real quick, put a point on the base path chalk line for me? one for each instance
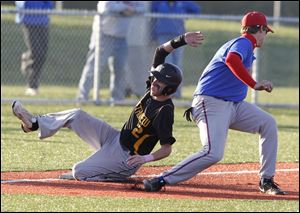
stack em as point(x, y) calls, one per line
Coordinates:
point(150, 176)
point(223, 173)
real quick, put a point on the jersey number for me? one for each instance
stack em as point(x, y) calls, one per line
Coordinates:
point(137, 130)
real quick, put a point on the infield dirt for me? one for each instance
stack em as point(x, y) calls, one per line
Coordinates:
point(221, 181)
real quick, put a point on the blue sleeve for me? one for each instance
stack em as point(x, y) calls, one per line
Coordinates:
point(243, 47)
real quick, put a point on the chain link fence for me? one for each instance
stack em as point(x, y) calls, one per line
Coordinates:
point(69, 38)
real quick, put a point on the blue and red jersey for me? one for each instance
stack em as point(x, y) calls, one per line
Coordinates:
point(219, 81)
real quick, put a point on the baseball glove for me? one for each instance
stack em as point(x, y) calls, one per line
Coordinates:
point(187, 114)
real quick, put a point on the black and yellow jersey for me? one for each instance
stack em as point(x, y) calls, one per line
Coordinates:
point(150, 121)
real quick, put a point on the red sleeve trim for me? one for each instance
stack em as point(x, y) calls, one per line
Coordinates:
point(234, 62)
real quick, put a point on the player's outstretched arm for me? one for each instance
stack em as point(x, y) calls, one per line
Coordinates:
point(164, 151)
point(190, 38)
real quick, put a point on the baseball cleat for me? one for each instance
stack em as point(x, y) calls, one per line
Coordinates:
point(154, 185)
point(26, 117)
point(268, 186)
point(67, 176)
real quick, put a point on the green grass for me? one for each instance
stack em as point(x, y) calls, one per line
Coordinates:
point(44, 203)
point(64, 149)
point(280, 95)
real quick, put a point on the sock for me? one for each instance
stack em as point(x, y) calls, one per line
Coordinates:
point(35, 126)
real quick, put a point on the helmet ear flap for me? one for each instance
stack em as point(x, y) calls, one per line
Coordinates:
point(149, 81)
point(168, 90)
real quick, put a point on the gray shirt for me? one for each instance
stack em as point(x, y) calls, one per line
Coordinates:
point(114, 20)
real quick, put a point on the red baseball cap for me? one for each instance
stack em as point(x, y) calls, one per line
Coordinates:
point(255, 18)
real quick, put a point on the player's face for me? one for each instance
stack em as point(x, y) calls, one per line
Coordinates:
point(156, 87)
point(261, 36)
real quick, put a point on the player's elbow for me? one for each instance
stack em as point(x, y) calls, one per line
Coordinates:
point(166, 150)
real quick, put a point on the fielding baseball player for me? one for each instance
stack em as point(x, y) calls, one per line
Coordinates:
point(219, 105)
point(119, 154)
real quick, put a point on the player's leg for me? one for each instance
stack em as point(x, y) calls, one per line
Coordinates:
point(90, 129)
point(252, 119)
point(28, 120)
point(106, 164)
point(212, 118)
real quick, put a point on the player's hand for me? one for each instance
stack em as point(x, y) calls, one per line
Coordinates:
point(193, 38)
point(264, 85)
point(136, 160)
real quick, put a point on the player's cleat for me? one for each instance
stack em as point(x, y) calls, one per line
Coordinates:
point(154, 185)
point(268, 186)
point(29, 122)
point(67, 176)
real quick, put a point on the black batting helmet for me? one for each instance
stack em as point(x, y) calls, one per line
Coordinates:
point(169, 74)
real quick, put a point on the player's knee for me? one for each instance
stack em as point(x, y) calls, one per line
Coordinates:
point(216, 157)
point(78, 172)
point(73, 117)
point(79, 112)
point(271, 121)
point(269, 124)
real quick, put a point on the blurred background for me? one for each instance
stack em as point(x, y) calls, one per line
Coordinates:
point(288, 8)
point(69, 36)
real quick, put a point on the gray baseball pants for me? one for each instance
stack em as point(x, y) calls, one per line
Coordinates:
point(214, 117)
point(108, 162)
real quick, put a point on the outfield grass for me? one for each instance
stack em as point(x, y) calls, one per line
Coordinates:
point(65, 148)
point(279, 95)
point(44, 203)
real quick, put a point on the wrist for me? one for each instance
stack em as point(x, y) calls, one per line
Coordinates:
point(148, 158)
point(178, 41)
